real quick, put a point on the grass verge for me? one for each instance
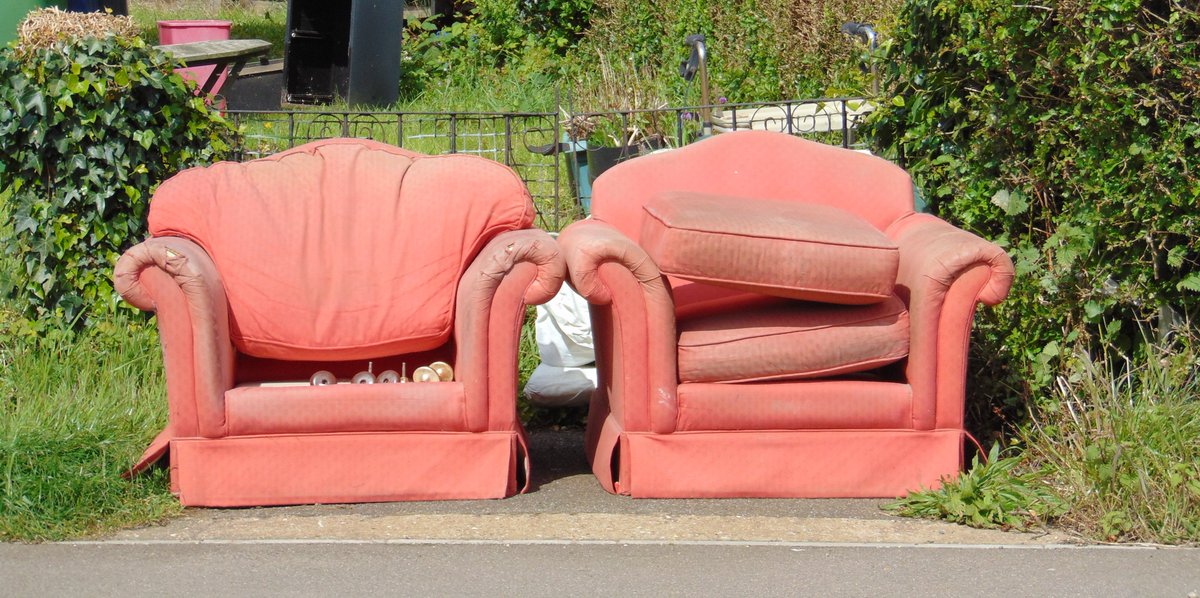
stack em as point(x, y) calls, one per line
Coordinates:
point(1113, 455)
point(75, 411)
point(1122, 438)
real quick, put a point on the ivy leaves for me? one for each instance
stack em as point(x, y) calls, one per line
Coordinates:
point(87, 131)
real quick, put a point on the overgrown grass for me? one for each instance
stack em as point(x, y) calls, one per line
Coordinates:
point(75, 412)
point(1117, 446)
point(76, 409)
point(1122, 440)
point(529, 85)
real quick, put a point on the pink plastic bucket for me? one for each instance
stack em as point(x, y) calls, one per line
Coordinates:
point(182, 32)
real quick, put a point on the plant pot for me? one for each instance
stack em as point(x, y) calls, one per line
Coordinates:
point(600, 159)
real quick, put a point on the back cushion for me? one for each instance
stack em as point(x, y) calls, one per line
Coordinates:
point(759, 165)
point(342, 249)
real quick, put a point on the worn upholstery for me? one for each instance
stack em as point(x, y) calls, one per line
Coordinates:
point(322, 231)
point(792, 340)
point(340, 255)
point(738, 390)
point(794, 250)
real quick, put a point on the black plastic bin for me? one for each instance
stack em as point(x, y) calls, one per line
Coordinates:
point(348, 49)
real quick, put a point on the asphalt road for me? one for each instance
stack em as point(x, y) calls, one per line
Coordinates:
point(565, 569)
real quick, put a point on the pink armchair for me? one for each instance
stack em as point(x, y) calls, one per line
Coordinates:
point(773, 319)
point(340, 255)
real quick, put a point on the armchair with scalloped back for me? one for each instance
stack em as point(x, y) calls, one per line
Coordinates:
point(341, 256)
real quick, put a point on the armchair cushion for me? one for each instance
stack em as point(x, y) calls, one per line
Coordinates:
point(274, 409)
point(792, 340)
point(785, 249)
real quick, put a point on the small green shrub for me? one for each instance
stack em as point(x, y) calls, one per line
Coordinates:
point(460, 67)
point(553, 24)
point(994, 494)
point(88, 129)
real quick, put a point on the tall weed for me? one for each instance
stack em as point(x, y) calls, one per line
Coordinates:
point(996, 493)
point(1122, 440)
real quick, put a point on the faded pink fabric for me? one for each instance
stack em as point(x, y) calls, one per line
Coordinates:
point(305, 237)
point(236, 306)
point(792, 340)
point(874, 434)
point(794, 250)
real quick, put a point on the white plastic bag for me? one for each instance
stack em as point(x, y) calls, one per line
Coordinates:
point(563, 329)
point(555, 386)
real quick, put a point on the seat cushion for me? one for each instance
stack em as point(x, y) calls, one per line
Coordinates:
point(785, 249)
point(794, 340)
point(257, 409)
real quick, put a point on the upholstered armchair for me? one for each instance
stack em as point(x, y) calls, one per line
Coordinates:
point(343, 256)
point(772, 318)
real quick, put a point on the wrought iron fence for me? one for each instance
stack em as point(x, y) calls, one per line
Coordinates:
point(556, 154)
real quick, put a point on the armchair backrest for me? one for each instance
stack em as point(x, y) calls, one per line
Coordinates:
point(756, 164)
point(342, 249)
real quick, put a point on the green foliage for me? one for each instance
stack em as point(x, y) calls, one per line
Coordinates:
point(1112, 453)
point(76, 409)
point(1066, 131)
point(1121, 439)
point(88, 130)
point(463, 66)
point(989, 495)
point(553, 24)
point(759, 50)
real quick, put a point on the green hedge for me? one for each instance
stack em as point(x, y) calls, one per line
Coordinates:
point(88, 129)
point(1068, 132)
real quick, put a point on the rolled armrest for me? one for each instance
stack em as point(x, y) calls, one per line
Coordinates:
point(944, 273)
point(935, 253)
point(514, 270)
point(633, 323)
point(588, 244)
point(177, 280)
